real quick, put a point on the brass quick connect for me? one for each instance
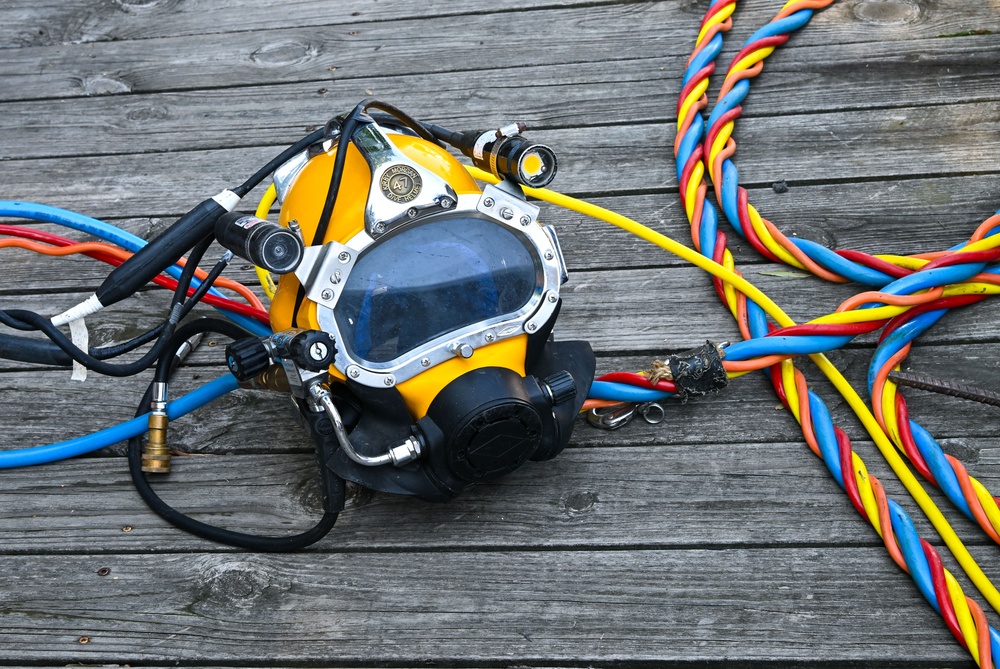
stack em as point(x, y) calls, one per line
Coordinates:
point(156, 455)
point(273, 378)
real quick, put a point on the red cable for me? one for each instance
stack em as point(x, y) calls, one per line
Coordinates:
point(160, 280)
point(943, 598)
point(913, 312)
point(699, 76)
point(639, 380)
point(718, 256)
point(847, 469)
point(874, 263)
point(763, 43)
point(712, 12)
point(742, 204)
point(714, 131)
point(779, 387)
point(829, 329)
point(909, 444)
point(686, 173)
point(960, 258)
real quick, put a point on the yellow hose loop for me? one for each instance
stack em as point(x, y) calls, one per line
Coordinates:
point(263, 208)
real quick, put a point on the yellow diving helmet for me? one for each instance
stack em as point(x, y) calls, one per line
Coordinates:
point(414, 329)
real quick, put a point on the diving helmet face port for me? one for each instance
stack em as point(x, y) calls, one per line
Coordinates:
point(441, 299)
point(431, 280)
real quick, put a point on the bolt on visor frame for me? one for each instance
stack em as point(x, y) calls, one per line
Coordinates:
point(435, 287)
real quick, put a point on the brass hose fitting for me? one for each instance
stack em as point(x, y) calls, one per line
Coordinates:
point(273, 378)
point(156, 454)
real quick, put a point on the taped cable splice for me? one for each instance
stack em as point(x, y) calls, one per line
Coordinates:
point(698, 371)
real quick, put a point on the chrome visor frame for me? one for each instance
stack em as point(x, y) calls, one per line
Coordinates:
point(325, 269)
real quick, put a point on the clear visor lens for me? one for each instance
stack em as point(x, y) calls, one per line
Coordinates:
point(428, 280)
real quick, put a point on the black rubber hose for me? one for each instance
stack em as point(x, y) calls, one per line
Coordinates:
point(417, 126)
point(205, 286)
point(116, 350)
point(333, 498)
point(279, 160)
point(84, 358)
point(35, 351)
point(160, 253)
point(190, 266)
point(347, 129)
point(29, 320)
point(41, 352)
point(452, 137)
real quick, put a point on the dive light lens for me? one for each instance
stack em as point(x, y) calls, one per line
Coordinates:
point(537, 166)
point(526, 162)
point(263, 243)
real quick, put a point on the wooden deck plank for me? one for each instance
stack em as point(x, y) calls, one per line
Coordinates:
point(595, 33)
point(913, 142)
point(318, 52)
point(659, 495)
point(805, 78)
point(45, 23)
point(715, 538)
point(668, 607)
point(76, 21)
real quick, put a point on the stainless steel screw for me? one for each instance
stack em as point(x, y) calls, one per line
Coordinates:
point(354, 372)
point(531, 327)
point(327, 294)
point(389, 380)
point(488, 203)
point(525, 220)
point(506, 213)
point(344, 256)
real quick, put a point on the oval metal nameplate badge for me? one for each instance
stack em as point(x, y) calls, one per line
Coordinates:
point(400, 183)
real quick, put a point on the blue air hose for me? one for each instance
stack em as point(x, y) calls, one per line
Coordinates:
point(113, 234)
point(622, 392)
point(112, 435)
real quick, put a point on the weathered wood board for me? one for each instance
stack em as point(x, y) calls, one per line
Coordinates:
point(715, 538)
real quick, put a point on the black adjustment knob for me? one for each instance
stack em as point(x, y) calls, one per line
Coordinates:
point(310, 349)
point(247, 358)
point(561, 387)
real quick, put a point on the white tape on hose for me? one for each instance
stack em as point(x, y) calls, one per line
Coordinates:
point(81, 339)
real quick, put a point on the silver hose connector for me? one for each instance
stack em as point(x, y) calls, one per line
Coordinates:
point(398, 455)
